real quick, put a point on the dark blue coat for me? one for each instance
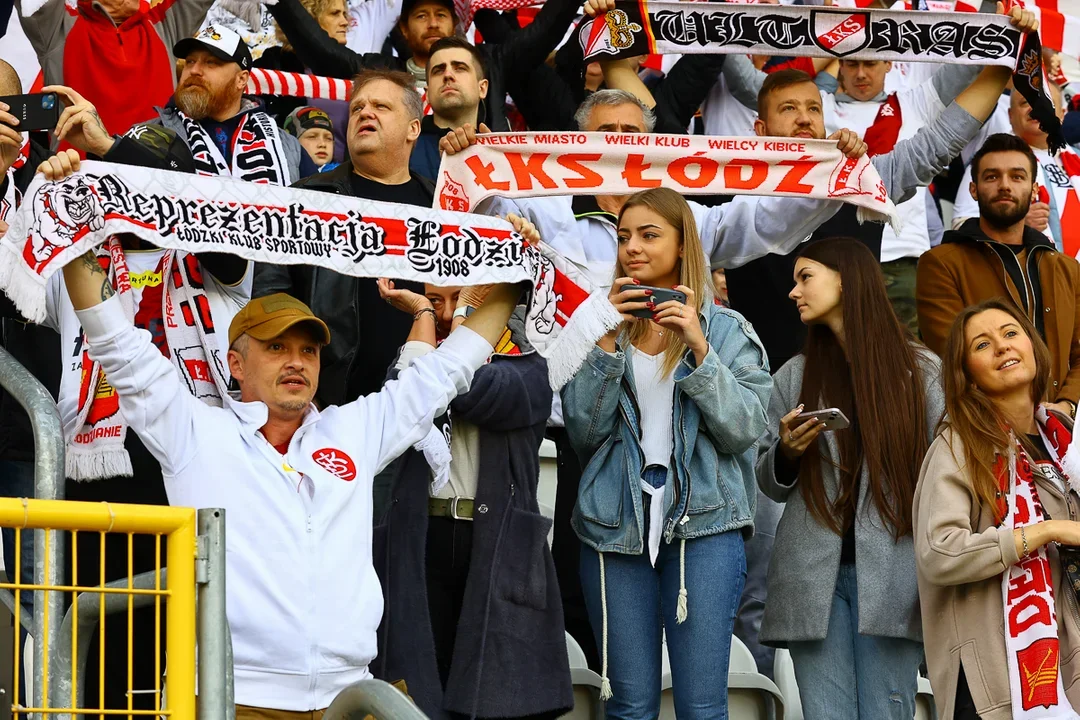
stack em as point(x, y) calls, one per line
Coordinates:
point(510, 654)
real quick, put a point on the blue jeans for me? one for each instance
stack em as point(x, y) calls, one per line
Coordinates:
point(848, 676)
point(641, 602)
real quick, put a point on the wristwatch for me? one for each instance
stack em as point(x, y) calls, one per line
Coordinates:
point(464, 311)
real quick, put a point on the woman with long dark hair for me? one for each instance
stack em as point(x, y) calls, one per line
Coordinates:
point(995, 533)
point(664, 416)
point(841, 586)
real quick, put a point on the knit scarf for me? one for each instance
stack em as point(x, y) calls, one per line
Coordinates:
point(60, 221)
point(1031, 629)
point(535, 163)
point(637, 27)
point(263, 81)
point(10, 199)
point(96, 447)
point(881, 137)
point(257, 152)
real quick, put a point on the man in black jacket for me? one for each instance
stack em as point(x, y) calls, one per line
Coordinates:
point(384, 124)
point(526, 50)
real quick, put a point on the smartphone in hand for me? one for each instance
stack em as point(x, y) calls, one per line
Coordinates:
point(833, 418)
point(38, 111)
point(659, 295)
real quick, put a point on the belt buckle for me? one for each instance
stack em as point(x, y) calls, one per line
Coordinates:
point(454, 510)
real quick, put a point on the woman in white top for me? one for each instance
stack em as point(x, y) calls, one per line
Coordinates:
point(664, 415)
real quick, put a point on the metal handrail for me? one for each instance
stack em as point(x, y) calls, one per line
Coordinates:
point(373, 697)
point(48, 485)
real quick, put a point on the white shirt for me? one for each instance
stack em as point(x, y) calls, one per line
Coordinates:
point(918, 107)
point(656, 400)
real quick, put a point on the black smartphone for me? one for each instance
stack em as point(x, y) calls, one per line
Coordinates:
point(39, 111)
point(659, 295)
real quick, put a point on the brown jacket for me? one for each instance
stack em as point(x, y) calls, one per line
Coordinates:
point(960, 555)
point(968, 267)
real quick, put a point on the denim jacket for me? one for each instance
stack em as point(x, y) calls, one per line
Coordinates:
point(719, 414)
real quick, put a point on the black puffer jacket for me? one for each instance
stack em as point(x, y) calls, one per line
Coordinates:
point(350, 306)
point(527, 49)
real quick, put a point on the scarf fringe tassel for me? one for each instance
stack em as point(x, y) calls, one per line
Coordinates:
point(568, 351)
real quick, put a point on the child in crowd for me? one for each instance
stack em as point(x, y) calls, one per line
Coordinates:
point(313, 128)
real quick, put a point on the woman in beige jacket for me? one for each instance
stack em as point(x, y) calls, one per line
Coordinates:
point(994, 499)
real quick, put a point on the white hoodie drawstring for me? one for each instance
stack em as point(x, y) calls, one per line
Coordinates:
point(605, 684)
point(680, 610)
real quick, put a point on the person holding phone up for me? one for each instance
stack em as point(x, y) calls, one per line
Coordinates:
point(664, 415)
point(841, 584)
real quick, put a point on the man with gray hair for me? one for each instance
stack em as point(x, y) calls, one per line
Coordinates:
point(384, 123)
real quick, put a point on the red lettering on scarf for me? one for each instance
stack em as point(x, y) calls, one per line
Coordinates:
point(799, 169)
point(526, 170)
point(482, 174)
point(635, 165)
point(759, 170)
point(589, 178)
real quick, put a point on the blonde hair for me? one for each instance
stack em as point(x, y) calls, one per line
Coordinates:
point(693, 271)
point(315, 8)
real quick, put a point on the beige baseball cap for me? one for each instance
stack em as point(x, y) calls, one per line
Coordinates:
point(267, 317)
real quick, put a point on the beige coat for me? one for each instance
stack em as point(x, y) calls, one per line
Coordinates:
point(960, 555)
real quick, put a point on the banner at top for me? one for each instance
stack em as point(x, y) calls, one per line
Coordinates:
point(637, 28)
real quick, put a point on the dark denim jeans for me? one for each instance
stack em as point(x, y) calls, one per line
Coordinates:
point(641, 603)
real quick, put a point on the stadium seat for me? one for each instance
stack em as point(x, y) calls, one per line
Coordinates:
point(924, 701)
point(749, 692)
point(587, 705)
point(784, 672)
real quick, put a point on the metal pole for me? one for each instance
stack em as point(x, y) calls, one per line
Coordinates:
point(372, 697)
point(215, 670)
point(48, 485)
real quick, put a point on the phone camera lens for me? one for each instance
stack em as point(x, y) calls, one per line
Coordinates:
point(48, 102)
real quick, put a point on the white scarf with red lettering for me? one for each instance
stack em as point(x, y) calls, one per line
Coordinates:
point(95, 449)
point(1031, 629)
point(578, 163)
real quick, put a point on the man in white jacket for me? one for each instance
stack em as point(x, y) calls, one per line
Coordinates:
point(303, 600)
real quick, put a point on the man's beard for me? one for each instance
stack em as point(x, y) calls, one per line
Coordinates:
point(1003, 219)
point(198, 102)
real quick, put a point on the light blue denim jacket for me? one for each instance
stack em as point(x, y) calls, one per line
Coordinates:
point(719, 414)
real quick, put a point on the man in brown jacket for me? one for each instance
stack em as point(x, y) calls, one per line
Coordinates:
point(996, 255)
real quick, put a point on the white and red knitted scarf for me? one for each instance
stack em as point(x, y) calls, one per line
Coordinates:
point(257, 152)
point(576, 163)
point(61, 221)
point(1031, 628)
point(95, 449)
point(10, 199)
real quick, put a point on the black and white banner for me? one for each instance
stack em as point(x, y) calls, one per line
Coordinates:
point(637, 28)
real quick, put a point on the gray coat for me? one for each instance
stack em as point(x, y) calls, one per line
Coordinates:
point(806, 554)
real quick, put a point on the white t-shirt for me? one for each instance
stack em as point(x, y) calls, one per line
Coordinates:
point(918, 107)
point(656, 400)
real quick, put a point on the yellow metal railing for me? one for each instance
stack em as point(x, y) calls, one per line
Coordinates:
point(176, 524)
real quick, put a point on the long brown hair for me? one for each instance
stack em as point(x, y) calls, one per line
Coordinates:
point(877, 384)
point(972, 415)
point(693, 273)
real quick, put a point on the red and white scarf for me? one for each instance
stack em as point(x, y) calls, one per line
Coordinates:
point(10, 199)
point(257, 152)
point(575, 163)
point(1063, 177)
point(1031, 628)
point(95, 449)
point(263, 81)
point(61, 220)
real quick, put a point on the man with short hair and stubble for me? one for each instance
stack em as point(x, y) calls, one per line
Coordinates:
point(457, 85)
point(998, 254)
